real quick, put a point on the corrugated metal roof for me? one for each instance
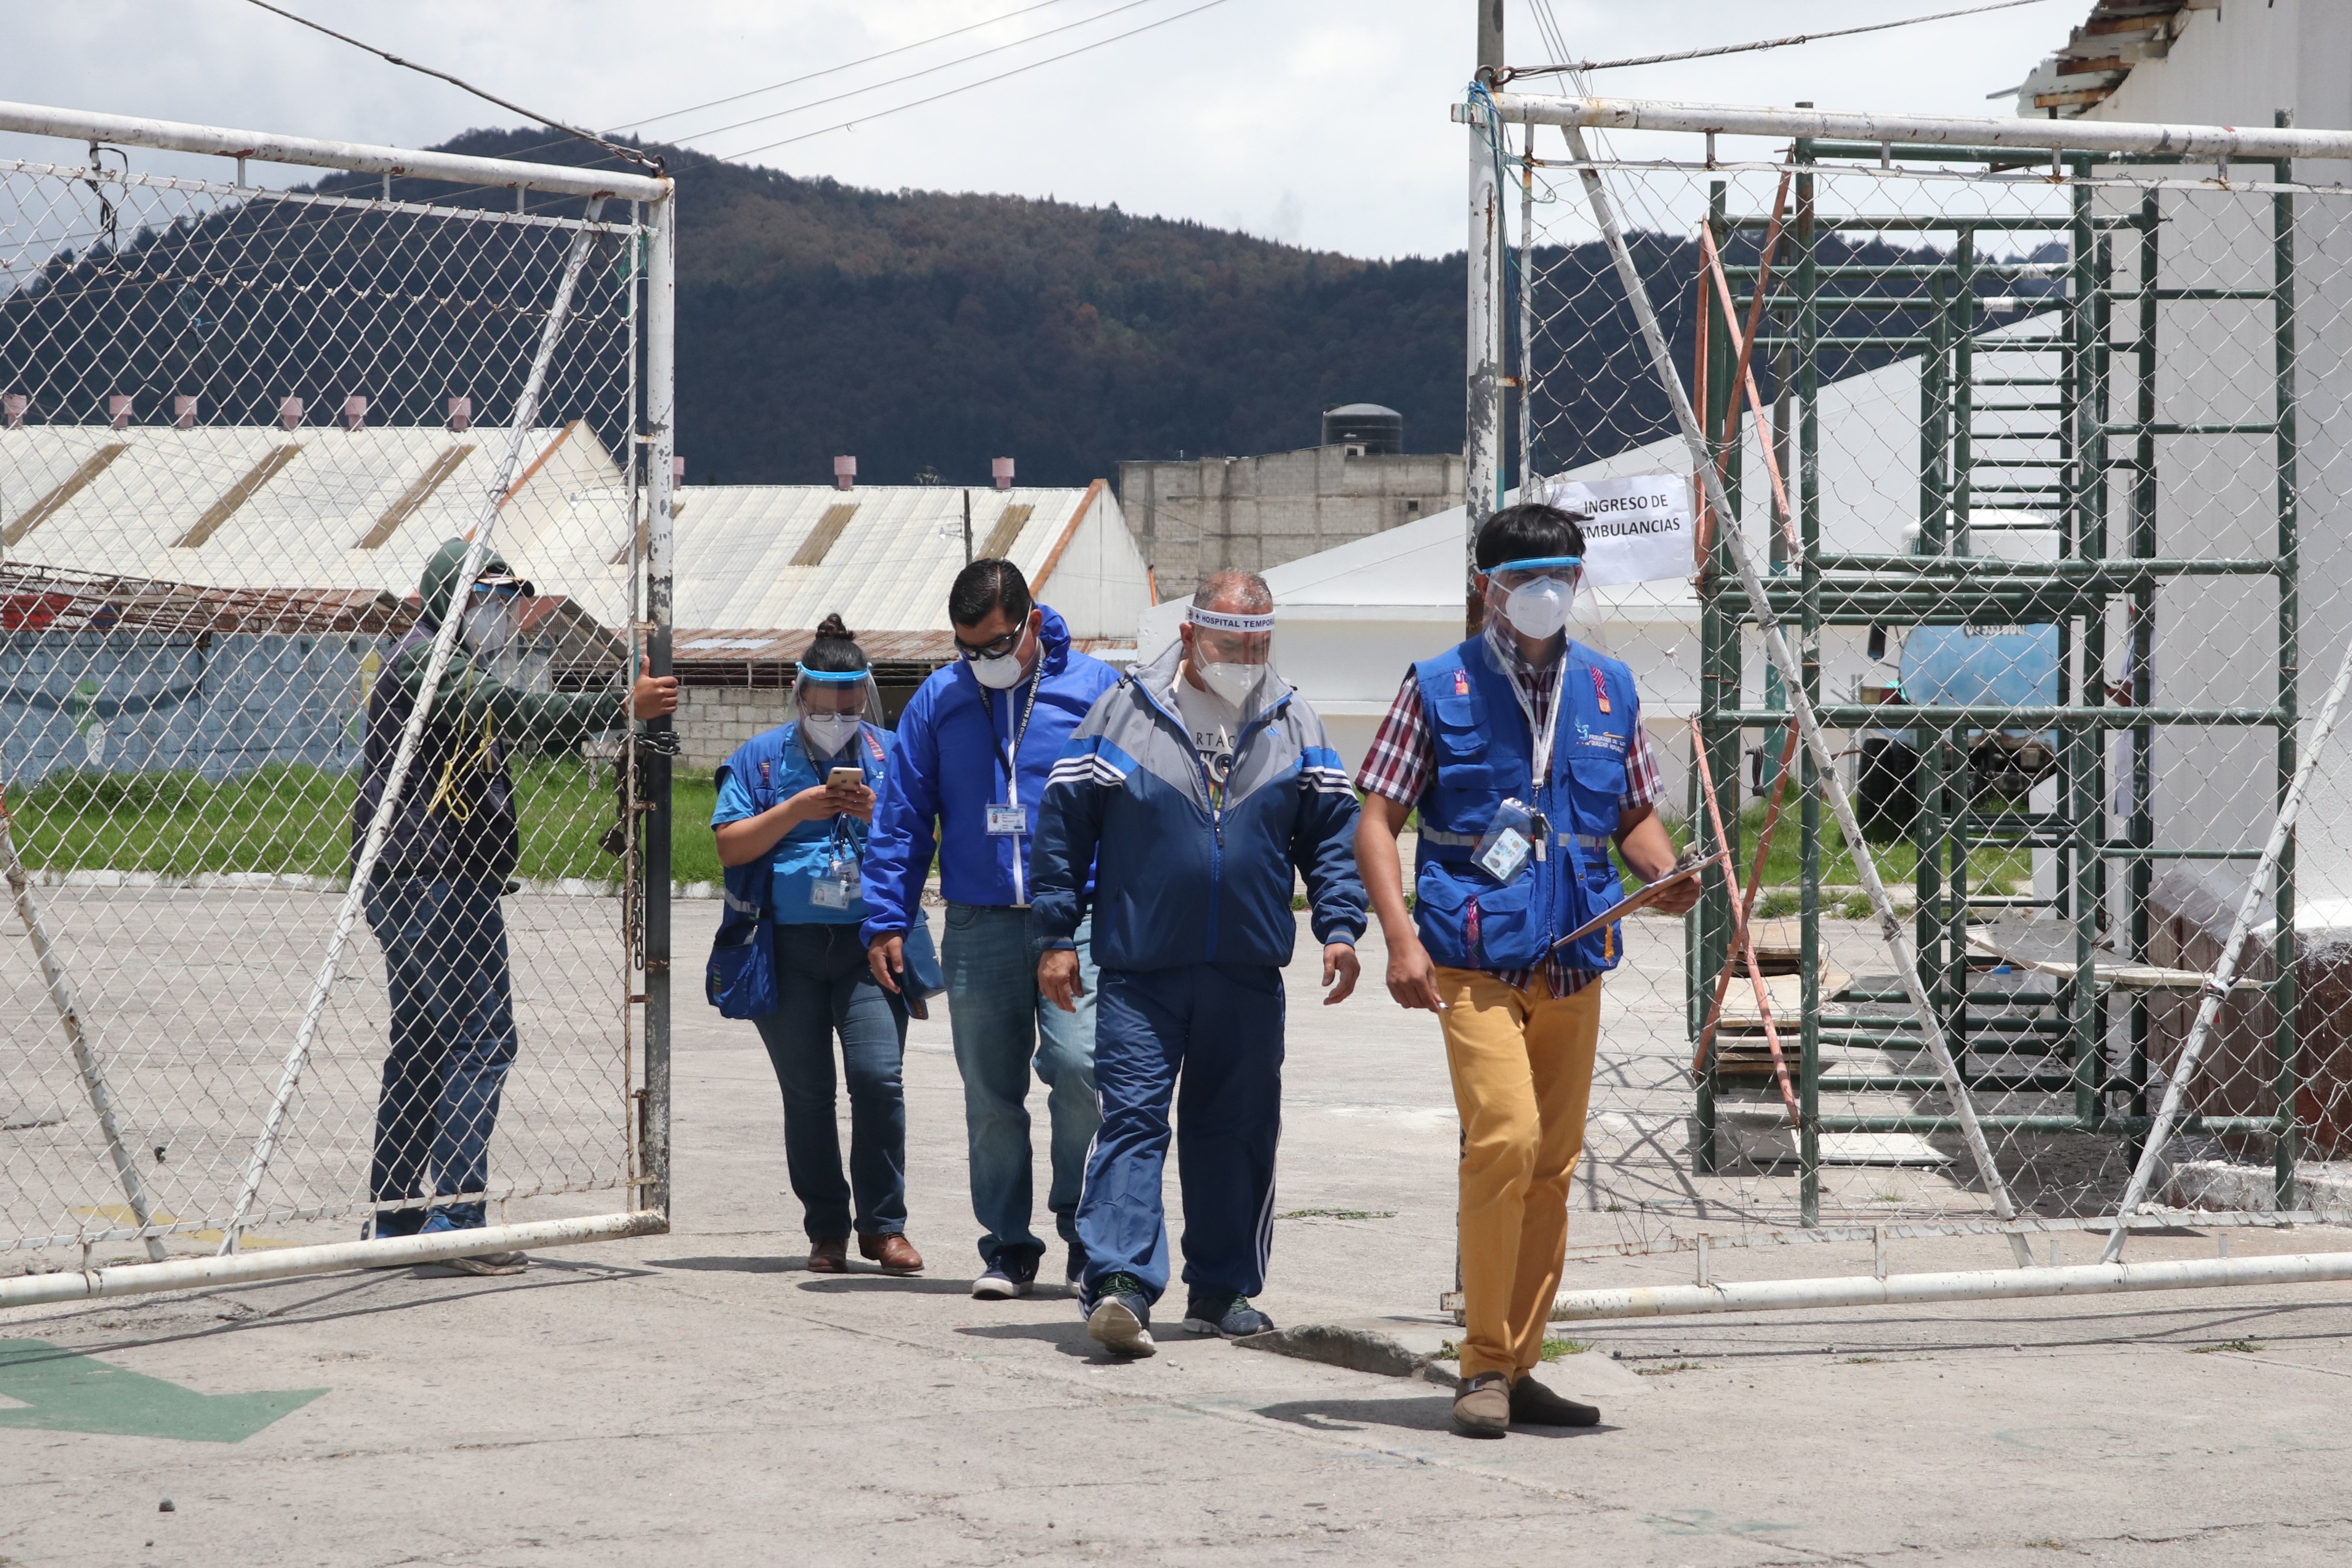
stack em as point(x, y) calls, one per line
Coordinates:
point(2101, 52)
point(260, 506)
point(756, 555)
point(323, 508)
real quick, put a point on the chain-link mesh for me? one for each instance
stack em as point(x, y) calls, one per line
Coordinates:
point(2044, 459)
point(242, 425)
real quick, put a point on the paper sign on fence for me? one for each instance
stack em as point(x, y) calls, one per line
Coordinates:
point(1641, 526)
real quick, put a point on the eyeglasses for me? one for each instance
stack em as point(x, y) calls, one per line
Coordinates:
point(995, 648)
point(509, 587)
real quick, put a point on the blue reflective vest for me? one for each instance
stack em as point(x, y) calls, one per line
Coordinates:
point(1466, 918)
point(773, 766)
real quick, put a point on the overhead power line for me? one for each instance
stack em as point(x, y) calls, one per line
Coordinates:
point(951, 93)
point(630, 153)
point(910, 75)
point(1513, 73)
point(832, 70)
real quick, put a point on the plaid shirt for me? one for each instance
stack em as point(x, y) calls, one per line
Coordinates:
point(1403, 764)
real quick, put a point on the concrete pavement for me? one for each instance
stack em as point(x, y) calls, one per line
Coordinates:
point(697, 1397)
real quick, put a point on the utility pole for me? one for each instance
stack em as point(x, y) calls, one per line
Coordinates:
point(967, 527)
point(1482, 428)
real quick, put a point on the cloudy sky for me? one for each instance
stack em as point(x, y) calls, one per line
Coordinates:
point(1312, 121)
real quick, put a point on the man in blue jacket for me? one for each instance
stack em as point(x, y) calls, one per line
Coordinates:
point(1191, 791)
point(975, 745)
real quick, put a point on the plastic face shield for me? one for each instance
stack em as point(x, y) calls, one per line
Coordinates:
point(490, 626)
point(1230, 651)
point(829, 707)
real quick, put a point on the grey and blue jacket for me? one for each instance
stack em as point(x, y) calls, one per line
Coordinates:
point(1185, 873)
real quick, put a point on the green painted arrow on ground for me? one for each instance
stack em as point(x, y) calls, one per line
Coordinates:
point(65, 1392)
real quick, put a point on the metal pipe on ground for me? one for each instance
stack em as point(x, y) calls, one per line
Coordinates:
point(1958, 1285)
point(285, 1262)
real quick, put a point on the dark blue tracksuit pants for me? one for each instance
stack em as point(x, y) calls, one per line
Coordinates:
point(1218, 1026)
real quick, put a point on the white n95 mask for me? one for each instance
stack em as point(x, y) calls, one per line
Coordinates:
point(1539, 609)
point(829, 732)
point(998, 674)
point(1232, 681)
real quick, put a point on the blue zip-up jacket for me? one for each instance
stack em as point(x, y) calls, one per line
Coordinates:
point(1181, 877)
point(948, 768)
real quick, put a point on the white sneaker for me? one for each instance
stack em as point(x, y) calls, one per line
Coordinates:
point(1117, 1326)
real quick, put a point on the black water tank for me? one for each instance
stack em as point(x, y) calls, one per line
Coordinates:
point(1368, 427)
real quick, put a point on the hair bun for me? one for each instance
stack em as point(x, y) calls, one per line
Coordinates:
point(831, 626)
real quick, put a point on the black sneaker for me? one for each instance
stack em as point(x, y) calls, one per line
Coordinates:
point(1118, 1318)
point(1227, 1315)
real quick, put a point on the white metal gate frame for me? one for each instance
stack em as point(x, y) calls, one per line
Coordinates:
point(651, 763)
point(1485, 113)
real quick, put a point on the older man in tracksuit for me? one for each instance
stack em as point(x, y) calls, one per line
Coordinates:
point(1193, 788)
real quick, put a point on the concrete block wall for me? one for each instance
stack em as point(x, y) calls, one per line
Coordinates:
point(712, 721)
point(1258, 512)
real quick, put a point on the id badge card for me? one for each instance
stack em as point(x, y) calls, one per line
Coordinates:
point(1506, 846)
point(1008, 819)
point(838, 888)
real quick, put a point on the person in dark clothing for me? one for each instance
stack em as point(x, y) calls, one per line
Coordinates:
point(434, 898)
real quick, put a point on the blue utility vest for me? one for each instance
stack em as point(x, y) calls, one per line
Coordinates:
point(773, 766)
point(1486, 754)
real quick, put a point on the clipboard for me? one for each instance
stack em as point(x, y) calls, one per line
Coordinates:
point(1648, 895)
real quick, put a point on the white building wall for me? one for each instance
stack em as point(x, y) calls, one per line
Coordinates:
point(2216, 640)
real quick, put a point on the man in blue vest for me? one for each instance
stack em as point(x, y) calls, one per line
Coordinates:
point(1525, 754)
point(975, 745)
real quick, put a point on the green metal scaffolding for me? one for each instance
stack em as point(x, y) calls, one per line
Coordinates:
point(2090, 468)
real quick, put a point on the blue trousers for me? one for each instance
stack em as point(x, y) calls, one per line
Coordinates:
point(1218, 1028)
point(823, 989)
point(1003, 1028)
point(453, 1039)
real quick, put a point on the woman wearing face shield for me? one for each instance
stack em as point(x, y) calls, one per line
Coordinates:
point(794, 808)
point(1524, 752)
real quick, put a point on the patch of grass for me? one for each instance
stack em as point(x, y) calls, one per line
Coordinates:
point(1865, 1360)
point(1339, 1214)
point(1777, 906)
point(1670, 1366)
point(2242, 1346)
point(1553, 1349)
point(1896, 856)
point(1855, 906)
point(289, 818)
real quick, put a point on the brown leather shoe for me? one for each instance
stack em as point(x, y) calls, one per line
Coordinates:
point(1533, 1405)
point(1482, 1406)
point(830, 1256)
point(894, 1253)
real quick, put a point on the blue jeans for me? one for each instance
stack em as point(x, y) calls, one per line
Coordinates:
point(825, 989)
point(1218, 1028)
point(453, 1039)
point(1003, 1025)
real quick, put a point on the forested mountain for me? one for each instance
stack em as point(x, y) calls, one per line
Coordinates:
point(914, 330)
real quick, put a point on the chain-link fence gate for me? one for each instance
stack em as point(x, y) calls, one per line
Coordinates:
point(241, 658)
point(2018, 452)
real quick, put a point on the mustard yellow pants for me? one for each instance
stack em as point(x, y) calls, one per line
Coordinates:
point(1522, 1068)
